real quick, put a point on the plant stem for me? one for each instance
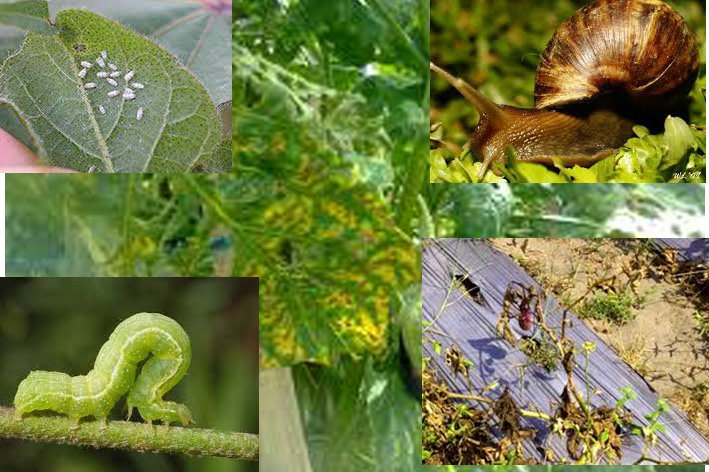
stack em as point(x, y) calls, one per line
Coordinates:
point(530, 414)
point(130, 436)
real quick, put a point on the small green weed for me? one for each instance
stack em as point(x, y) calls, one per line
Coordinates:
point(702, 321)
point(541, 351)
point(616, 308)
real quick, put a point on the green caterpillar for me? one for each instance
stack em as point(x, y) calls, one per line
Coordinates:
point(95, 393)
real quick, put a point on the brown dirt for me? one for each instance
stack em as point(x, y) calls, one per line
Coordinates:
point(661, 343)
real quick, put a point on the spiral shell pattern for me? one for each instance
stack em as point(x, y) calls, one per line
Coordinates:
point(642, 48)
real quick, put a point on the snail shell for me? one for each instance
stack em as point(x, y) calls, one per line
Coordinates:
point(640, 47)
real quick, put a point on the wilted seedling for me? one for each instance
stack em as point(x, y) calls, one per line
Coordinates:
point(458, 363)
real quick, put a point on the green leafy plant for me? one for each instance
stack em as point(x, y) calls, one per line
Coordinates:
point(650, 431)
point(541, 351)
point(616, 308)
point(702, 322)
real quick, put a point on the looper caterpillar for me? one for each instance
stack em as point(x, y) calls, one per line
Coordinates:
point(114, 374)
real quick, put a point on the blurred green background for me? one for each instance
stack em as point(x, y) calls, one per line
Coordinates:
point(495, 46)
point(60, 324)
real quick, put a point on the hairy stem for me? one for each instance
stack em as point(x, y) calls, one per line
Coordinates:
point(130, 436)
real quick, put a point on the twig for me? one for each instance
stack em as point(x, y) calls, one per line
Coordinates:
point(129, 435)
point(531, 414)
point(655, 461)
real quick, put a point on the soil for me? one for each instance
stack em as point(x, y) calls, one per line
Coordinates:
point(662, 342)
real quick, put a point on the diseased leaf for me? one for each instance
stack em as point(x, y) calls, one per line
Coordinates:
point(41, 83)
point(330, 259)
point(31, 15)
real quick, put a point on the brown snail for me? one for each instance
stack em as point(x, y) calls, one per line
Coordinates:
point(613, 64)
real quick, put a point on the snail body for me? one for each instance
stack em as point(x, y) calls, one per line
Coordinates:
point(613, 64)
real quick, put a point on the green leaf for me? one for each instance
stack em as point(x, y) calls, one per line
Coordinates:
point(196, 33)
point(679, 140)
point(580, 175)
point(40, 82)
point(51, 233)
point(219, 161)
point(371, 421)
point(30, 15)
point(530, 172)
point(604, 169)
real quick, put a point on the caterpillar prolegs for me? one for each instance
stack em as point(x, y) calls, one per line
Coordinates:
point(95, 393)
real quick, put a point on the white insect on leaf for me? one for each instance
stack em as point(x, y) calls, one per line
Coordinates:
point(104, 55)
point(139, 115)
point(102, 75)
point(90, 85)
point(102, 109)
point(92, 168)
point(86, 64)
point(113, 375)
point(113, 93)
point(129, 76)
point(115, 74)
point(111, 81)
point(100, 62)
point(137, 85)
point(82, 73)
point(112, 66)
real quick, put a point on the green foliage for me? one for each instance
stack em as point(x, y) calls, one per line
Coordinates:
point(31, 15)
point(331, 101)
point(534, 210)
point(330, 256)
point(616, 308)
point(359, 417)
point(702, 322)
